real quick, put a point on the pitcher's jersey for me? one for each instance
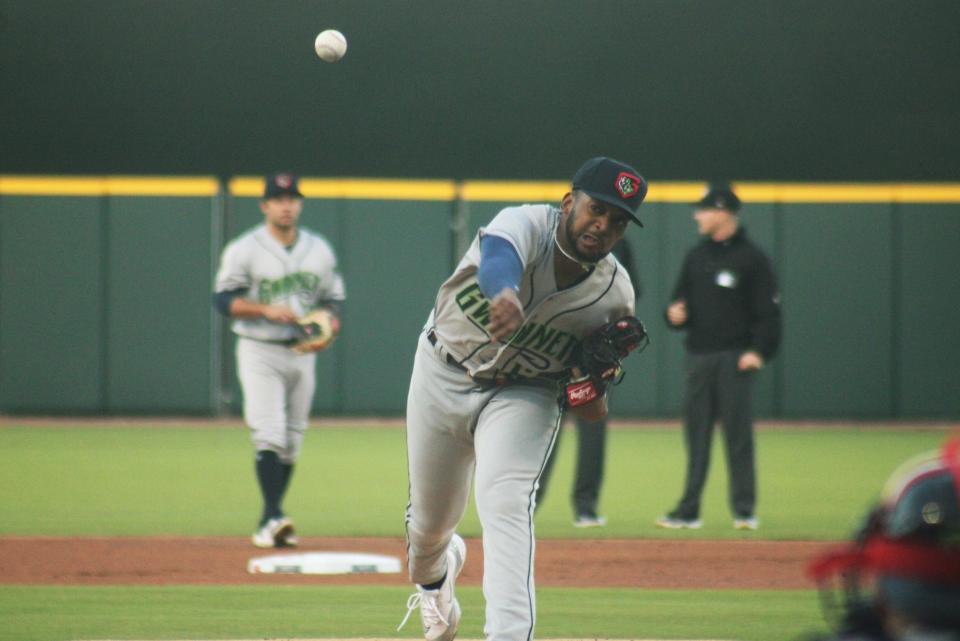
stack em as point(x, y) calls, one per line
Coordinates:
point(298, 277)
point(556, 320)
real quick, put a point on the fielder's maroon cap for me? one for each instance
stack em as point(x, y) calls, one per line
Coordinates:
point(281, 184)
point(612, 182)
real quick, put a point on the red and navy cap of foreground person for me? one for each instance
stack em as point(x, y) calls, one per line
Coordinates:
point(281, 184)
point(614, 183)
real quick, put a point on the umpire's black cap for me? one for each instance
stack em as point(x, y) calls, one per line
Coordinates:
point(281, 184)
point(719, 196)
point(612, 182)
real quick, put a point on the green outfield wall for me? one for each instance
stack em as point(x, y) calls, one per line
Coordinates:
point(105, 287)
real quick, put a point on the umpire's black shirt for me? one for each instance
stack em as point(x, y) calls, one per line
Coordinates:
point(732, 298)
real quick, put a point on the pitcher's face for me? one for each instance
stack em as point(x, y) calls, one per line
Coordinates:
point(592, 227)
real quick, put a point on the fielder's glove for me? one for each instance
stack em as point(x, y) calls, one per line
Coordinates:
point(599, 358)
point(316, 331)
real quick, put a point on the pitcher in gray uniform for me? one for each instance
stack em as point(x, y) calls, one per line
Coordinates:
point(269, 277)
point(487, 390)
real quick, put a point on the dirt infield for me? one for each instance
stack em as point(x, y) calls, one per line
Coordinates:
point(653, 563)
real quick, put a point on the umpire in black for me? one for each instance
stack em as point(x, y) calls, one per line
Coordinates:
point(727, 300)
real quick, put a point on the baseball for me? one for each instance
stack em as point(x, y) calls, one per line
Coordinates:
point(330, 45)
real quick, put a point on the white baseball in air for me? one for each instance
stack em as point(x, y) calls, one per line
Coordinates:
point(330, 45)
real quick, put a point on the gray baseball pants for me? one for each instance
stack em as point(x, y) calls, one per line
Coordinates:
point(499, 438)
point(278, 386)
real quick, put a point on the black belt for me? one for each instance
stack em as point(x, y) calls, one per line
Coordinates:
point(432, 337)
point(499, 381)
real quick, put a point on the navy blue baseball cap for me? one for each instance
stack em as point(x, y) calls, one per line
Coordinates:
point(281, 184)
point(612, 182)
point(719, 196)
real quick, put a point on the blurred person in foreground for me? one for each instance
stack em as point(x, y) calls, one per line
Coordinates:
point(900, 577)
point(726, 299)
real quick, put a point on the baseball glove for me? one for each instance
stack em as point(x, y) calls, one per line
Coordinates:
point(601, 352)
point(316, 331)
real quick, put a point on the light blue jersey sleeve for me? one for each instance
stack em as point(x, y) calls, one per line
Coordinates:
point(500, 266)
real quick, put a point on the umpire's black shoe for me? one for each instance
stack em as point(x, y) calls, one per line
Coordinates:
point(589, 520)
point(674, 521)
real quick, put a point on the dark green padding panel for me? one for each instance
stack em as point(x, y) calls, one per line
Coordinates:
point(395, 255)
point(158, 312)
point(51, 304)
point(928, 340)
point(837, 277)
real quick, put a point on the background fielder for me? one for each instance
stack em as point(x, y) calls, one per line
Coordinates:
point(484, 401)
point(269, 277)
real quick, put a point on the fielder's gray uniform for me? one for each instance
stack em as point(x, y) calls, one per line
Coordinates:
point(490, 411)
point(278, 383)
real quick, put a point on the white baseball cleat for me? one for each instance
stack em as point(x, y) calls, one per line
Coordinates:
point(746, 523)
point(275, 533)
point(439, 609)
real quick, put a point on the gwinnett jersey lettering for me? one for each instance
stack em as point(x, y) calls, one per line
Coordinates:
point(301, 284)
point(547, 341)
point(539, 338)
point(272, 274)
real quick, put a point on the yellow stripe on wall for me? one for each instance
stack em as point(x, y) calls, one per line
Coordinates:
point(848, 192)
point(675, 192)
point(927, 193)
point(470, 190)
point(553, 191)
point(689, 192)
point(478, 190)
point(815, 192)
point(361, 188)
point(109, 185)
point(159, 186)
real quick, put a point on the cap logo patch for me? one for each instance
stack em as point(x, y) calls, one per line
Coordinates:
point(627, 184)
point(284, 181)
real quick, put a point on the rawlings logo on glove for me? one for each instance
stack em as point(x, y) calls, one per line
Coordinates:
point(601, 353)
point(581, 392)
point(316, 331)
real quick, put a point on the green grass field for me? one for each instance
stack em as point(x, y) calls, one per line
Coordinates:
point(815, 483)
point(33, 613)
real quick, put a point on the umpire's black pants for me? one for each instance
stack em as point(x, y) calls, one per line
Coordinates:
point(591, 441)
point(717, 390)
